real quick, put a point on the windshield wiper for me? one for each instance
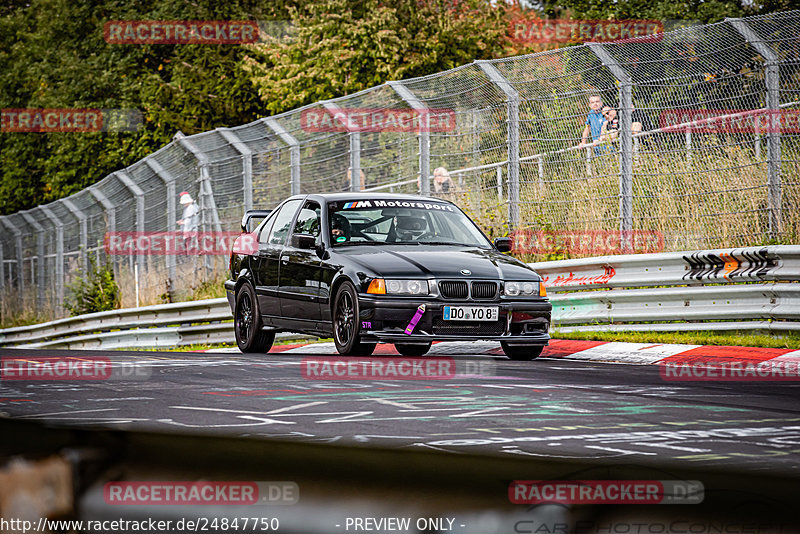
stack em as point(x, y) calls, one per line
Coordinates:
point(449, 243)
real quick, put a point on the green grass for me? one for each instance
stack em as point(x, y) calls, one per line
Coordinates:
point(788, 340)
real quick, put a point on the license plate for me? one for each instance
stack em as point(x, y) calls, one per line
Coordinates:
point(471, 313)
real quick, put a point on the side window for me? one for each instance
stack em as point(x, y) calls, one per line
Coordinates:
point(280, 229)
point(308, 220)
point(263, 234)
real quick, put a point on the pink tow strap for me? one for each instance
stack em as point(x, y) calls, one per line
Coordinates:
point(414, 320)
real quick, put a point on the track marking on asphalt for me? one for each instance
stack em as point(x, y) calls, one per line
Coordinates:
point(621, 451)
point(68, 413)
point(272, 412)
point(672, 447)
point(260, 421)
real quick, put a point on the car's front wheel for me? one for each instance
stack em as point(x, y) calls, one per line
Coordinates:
point(346, 324)
point(522, 352)
point(412, 349)
point(247, 323)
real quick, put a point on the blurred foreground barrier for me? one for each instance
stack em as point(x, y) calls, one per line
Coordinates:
point(753, 288)
point(723, 289)
point(335, 483)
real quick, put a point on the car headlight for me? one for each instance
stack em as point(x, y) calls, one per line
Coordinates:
point(522, 289)
point(399, 287)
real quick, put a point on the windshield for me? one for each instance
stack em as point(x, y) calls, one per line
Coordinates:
point(404, 222)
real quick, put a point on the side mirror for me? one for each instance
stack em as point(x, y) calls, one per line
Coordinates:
point(247, 220)
point(503, 244)
point(304, 241)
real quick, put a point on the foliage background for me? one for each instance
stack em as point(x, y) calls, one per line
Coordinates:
point(52, 55)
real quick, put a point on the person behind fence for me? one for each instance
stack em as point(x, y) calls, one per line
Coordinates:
point(346, 183)
point(442, 183)
point(594, 121)
point(190, 220)
point(610, 128)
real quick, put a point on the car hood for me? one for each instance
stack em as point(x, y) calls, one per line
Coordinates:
point(440, 261)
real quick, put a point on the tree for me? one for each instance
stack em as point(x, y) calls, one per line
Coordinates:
point(341, 47)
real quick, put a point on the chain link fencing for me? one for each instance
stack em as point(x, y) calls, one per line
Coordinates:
point(509, 134)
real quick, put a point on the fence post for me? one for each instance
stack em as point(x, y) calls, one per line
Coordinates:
point(355, 149)
point(39, 229)
point(689, 147)
point(18, 245)
point(247, 164)
point(59, 274)
point(78, 214)
point(108, 207)
point(773, 101)
point(500, 184)
point(205, 179)
point(169, 181)
point(625, 141)
point(294, 153)
point(424, 135)
point(138, 194)
point(512, 103)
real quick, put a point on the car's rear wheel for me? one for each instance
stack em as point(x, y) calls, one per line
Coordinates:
point(346, 324)
point(412, 349)
point(522, 352)
point(247, 323)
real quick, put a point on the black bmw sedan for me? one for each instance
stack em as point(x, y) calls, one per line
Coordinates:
point(368, 268)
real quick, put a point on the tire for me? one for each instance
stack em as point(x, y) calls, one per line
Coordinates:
point(522, 352)
point(247, 323)
point(412, 349)
point(346, 325)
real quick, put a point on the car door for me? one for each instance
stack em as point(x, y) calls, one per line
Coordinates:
point(300, 269)
point(266, 261)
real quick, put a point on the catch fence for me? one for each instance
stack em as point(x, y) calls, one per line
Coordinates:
point(690, 162)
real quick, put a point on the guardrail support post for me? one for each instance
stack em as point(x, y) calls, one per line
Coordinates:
point(59, 274)
point(20, 260)
point(169, 181)
point(294, 153)
point(138, 194)
point(512, 103)
point(39, 229)
point(247, 164)
point(78, 214)
point(424, 136)
point(626, 142)
point(773, 101)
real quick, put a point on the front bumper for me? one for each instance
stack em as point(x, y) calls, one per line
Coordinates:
point(520, 322)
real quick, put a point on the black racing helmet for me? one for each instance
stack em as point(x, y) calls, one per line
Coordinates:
point(340, 222)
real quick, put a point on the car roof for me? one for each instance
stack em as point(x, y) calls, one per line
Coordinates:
point(366, 195)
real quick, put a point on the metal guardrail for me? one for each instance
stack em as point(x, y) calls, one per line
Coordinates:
point(752, 288)
point(723, 289)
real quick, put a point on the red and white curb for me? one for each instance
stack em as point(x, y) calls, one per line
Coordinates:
point(600, 351)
